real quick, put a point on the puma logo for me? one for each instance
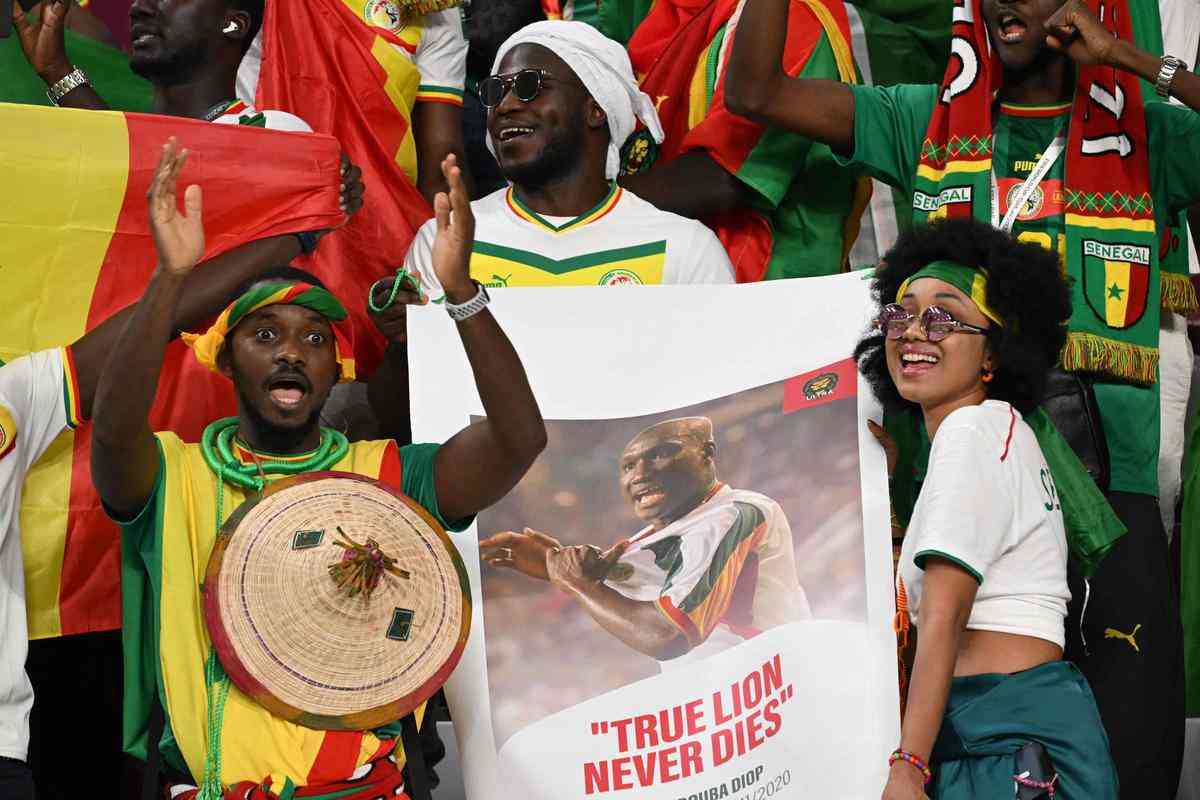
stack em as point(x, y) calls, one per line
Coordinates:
point(658, 101)
point(1113, 633)
point(499, 281)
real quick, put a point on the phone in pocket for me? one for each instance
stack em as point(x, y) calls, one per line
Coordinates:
point(1032, 763)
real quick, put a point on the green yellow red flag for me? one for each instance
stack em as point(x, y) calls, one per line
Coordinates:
point(75, 247)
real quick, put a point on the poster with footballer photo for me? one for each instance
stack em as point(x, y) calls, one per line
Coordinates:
point(687, 596)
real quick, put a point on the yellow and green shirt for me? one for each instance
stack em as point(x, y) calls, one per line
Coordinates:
point(622, 241)
point(164, 556)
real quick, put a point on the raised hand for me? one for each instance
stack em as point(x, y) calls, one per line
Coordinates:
point(1075, 30)
point(525, 552)
point(455, 235)
point(178, 237)
point(44, 40)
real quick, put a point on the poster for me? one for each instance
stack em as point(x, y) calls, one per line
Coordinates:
point(718, 621)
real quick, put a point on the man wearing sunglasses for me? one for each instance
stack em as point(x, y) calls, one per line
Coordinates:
point(561, 102)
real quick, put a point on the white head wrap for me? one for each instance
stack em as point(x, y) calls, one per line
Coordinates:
point(603, 67)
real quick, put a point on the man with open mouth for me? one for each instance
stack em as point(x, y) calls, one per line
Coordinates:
point(1044, 127)
point(280, 341)
point(713, 566)
point(562, 101)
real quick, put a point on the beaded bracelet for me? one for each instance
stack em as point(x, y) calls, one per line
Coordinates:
point(904, 755)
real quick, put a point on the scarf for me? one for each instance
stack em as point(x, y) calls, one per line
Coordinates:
point(207, 346)
point(1111, 242)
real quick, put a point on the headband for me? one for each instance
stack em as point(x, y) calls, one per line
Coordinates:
point(207, 346)
point(971, 281)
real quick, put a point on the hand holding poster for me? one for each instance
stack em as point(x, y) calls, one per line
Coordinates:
point(679, 600)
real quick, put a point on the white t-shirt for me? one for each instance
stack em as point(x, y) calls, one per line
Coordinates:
point(36, 403)
point(622, 241)
point(435, 44)
point(721, 573)
point(989, 504)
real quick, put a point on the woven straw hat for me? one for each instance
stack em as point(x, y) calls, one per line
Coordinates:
point(313, 650)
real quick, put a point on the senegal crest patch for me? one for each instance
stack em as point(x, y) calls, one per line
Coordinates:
point(620, 277)
point(8, 432)
point(1116, 281)
point(384, 14)
point(639, 153)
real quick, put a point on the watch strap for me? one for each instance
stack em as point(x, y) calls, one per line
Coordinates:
point(67, 84)
point(1166, 73)
point(461, 311)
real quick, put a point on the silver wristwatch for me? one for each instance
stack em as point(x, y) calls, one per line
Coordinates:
point(1166, 74)
point(460, 311)
point(71, 81)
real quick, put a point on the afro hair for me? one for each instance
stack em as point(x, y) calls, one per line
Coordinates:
point(1025, 287)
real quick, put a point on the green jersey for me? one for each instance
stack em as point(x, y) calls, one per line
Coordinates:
point(889, 128)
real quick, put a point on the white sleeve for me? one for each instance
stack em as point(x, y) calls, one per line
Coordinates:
point(966, 507)
point(704, 260)
point(441, 58)
point(419, 259)
point(33, 405)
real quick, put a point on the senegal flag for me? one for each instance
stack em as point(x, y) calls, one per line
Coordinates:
point(75, 247)
point(347, 78)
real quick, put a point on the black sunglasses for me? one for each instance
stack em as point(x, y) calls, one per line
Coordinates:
point(525, 84)
point(935, 321)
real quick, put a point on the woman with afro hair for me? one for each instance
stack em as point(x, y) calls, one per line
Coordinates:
point(969, 326)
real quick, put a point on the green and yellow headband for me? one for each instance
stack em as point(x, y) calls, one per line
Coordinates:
point(971, 281)
point(207, 346)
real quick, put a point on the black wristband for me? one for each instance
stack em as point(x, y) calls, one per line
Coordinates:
point(308, 242)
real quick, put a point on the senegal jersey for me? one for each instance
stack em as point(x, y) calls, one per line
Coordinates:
point(38, 399)
point(722, 573)
point(622, 241)
point(889, 128)
point(164, 558)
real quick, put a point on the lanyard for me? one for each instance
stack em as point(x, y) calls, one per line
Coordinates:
point(1022, 196)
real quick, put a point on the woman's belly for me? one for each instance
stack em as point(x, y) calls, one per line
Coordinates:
point(982, 652)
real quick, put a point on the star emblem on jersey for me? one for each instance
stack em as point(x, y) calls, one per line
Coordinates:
point(1115, 292)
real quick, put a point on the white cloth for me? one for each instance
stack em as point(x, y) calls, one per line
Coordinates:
point(32, 414)
point(275, 120)
point(603, 67)
point(633, 243)
point(989, 504)
point(694, 567)
point(435, 44)
point(1174, 386)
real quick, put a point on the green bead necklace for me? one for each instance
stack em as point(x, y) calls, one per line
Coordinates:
point(216, 445)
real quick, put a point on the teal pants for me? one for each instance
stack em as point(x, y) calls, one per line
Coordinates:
point(990, 717)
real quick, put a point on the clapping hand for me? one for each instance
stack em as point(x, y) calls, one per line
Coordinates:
point(455, 235)
point(178, 237)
